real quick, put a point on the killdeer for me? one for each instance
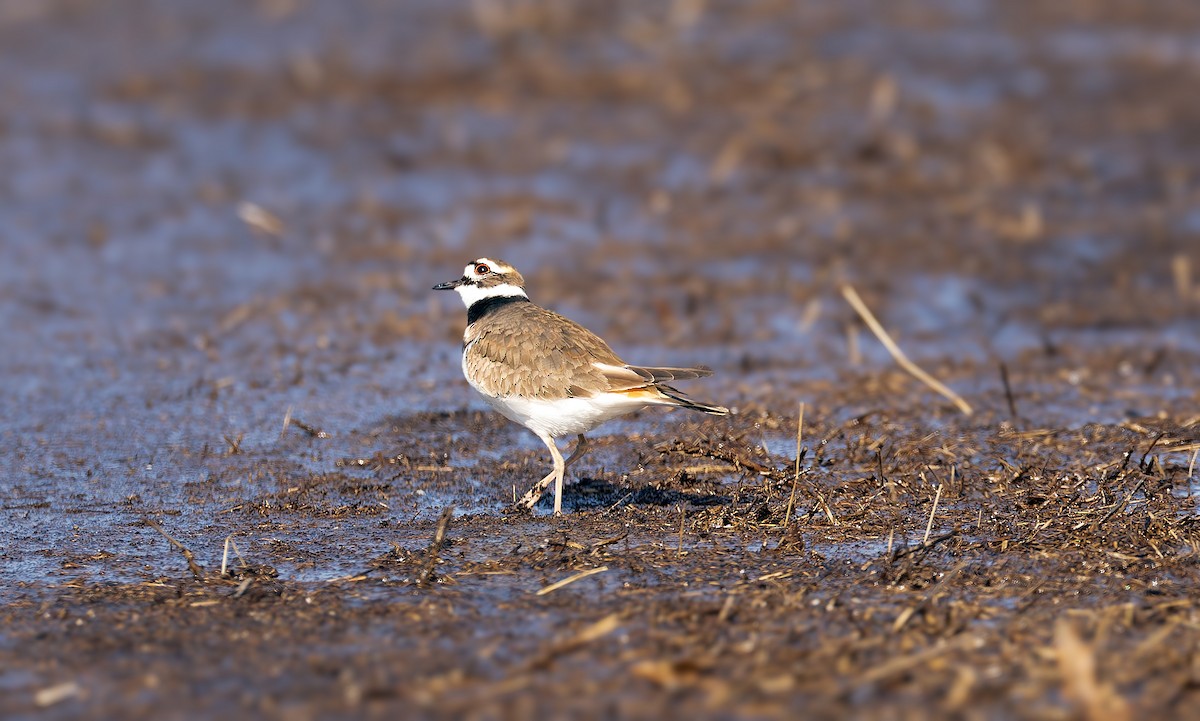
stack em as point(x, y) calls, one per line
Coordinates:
point(549, 373)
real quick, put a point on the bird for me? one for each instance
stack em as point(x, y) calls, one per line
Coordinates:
point(549, 373)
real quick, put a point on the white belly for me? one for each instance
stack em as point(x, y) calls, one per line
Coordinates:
point(561, 417)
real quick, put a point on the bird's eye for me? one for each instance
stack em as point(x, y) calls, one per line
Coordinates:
point(482, 269)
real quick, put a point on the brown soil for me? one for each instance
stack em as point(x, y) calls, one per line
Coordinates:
point(219, 223)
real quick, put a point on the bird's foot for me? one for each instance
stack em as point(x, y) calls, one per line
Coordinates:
point(530, 499)
point(533, 495)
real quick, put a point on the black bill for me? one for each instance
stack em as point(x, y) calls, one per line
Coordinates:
point(450, 284)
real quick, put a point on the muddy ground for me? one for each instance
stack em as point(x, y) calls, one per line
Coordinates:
point(219, 223)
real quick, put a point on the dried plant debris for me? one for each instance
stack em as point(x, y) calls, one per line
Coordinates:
point(242, 475)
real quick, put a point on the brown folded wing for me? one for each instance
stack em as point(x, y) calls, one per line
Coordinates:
point(526, 350)
point(523, 349)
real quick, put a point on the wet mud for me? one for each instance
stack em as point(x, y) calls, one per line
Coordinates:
point(240, 472)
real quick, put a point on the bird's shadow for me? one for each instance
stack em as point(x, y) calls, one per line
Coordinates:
point(589, 494)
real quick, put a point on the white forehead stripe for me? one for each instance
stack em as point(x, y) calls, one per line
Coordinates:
point(495, 266)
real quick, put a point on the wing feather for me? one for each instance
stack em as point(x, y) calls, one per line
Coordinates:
point(526, 350)
point(530, 351)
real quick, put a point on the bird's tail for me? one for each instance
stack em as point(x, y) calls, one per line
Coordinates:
point(680, 400)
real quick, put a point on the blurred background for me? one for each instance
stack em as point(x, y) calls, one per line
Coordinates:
point(219, 224)
point(217, 215)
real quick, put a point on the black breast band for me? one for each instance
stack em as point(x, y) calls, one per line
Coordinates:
point(480, 308)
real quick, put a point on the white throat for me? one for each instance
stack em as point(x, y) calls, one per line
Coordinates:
point(471, 294)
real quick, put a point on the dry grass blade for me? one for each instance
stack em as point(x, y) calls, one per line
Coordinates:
point(592, 632)
point(435, 547)
point(904, 664)
point(571, 579)
point(57, 693)
point(913, 369)
point(1119, 507)
point(260, 219)
point(230, 543)
point(287, 421)
point(932, 512)
point(787, 516)
point(1008, 392)
point(1077, 668)
point(1181, 272)
point(682, 519)
point(196, 569)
